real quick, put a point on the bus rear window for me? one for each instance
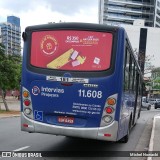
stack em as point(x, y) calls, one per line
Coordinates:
point(71, 50)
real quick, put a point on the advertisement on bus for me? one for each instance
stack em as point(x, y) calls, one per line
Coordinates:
point(71, 50)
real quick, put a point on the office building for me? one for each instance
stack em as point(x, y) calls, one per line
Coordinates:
point(115, 12)
point(11, 35)
point(157, 14)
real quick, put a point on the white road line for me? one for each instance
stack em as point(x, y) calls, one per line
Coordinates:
point(20, 149)
point(151, 143)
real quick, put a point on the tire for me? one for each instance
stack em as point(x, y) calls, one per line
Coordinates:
point(149, 107)
point(155, 105)
point(139, 114)
point(126, 137)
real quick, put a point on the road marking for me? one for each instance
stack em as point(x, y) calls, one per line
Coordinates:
point(151, 144)
point(20, 149)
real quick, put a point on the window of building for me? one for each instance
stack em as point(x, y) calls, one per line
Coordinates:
point(158, 19)
point(158, 3)
point(158, 12)
point(157, 26)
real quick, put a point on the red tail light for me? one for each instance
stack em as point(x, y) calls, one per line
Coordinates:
point(27, 102)
point(109, 110)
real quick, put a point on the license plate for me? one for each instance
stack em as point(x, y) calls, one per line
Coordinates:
point(69, 120)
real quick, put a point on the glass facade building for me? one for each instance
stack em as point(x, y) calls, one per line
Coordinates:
point(114, 12)
point(11, 35)
point(14, 20)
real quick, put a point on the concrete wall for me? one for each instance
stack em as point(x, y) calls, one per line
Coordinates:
point(153, 41)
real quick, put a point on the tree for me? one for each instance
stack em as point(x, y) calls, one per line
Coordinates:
point(146, 61)
point(10, 71)
point(156, 78)
point(146, 69)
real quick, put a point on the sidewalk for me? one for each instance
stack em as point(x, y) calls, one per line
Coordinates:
point(10, 114)
point(14, 107)
point(154, 144)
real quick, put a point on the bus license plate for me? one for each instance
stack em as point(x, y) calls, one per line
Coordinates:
point(69, 120)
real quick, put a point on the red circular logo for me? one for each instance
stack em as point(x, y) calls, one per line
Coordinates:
point(49, 45)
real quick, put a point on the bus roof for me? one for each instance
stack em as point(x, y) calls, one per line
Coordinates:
point(74, 26)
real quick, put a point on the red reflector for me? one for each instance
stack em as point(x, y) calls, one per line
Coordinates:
point(109, 110)
point(27, 102)
point(66, 84)
point(107, 135)
point(25, 125)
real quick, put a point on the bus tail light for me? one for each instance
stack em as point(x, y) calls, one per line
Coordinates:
point(25, 94)
point(111, 101)
point(27, 103)
point(109, 110)
point(27, 111)
point(107, 119)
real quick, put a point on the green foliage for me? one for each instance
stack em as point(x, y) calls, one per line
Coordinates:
point(157, 80)
point(156, 87)
point(10, 70)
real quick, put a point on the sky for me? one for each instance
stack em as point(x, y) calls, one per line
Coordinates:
point(33, 12)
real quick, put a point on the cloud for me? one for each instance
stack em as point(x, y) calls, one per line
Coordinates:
point(41, 15)
point(20, 6)
point(67, 7)
point(33, 12)
point(70, 7)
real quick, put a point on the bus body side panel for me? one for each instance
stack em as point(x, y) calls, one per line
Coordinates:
point(125, 100)
point(121, 113)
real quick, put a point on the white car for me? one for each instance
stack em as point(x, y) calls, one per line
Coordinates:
point(145, 103)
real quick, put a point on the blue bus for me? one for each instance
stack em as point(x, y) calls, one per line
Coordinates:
point(79, 80)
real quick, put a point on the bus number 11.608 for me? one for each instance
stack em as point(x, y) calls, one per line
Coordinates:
point(90, 93)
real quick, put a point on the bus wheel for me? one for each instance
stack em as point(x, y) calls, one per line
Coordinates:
point(126, 137)
point(149, 107)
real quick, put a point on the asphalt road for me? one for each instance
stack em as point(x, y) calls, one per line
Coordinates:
point(12, 139)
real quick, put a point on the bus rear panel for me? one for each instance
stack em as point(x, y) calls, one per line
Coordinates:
point(72, 80)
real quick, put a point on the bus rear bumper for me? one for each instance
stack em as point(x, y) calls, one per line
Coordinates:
point(107, 133)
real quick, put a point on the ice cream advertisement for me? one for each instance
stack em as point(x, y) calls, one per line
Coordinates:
point(71, 50)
